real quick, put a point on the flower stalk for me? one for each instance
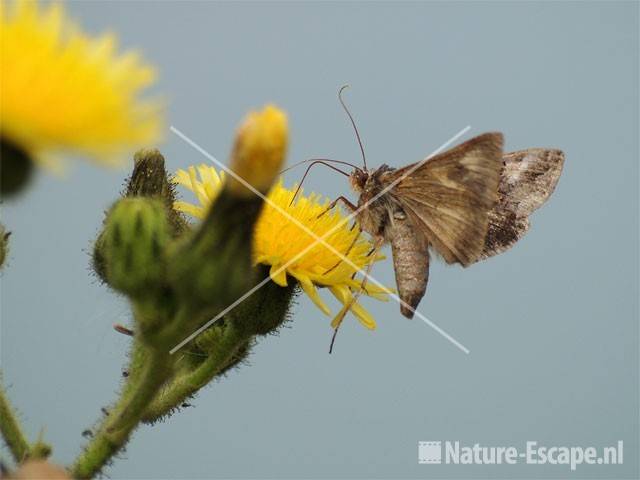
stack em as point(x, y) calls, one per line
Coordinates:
point(12, 433)
point(186, 384)
point(177, 278)
point(124, 417)
point(224, 345)
point(14, 437)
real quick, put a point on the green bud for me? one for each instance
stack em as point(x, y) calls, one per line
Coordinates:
point(209, 340)
point(212, 267)
point(132, 246)
point(150, 179)
point(266, 310)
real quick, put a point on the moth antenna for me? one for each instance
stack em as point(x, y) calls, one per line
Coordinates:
point(307, 171)
point(353, 123)
point(315, 160)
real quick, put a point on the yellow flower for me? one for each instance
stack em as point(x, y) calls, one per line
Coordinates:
point(278, 240)
point(62, 90)
point(259, 150)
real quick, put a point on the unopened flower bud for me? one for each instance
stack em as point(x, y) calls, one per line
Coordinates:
point(259, 150)
point(132, 245)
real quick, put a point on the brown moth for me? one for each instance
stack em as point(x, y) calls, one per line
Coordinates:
point(466, 204)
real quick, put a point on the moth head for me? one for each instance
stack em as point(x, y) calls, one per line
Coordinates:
point(358, 179)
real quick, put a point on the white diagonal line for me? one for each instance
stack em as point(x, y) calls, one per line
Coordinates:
point(318, 239)
point(220, 315)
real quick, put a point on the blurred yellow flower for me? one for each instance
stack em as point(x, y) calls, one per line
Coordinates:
point(62, 90)
point(278, 239)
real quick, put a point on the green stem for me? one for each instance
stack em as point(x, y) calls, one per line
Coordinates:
point(187, 384)
point(117, 427)
point(11, 430)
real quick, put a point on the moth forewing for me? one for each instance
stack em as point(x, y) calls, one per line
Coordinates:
point(448, 198)
point(441, 202)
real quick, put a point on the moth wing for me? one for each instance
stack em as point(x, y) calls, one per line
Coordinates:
point(528, 178)
point(448, 198)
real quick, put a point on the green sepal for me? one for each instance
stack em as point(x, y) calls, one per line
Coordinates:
point(133, 246)
point(150, 179)
point(211, 267)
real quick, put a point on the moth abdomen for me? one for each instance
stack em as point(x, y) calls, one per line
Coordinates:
point(410, 262)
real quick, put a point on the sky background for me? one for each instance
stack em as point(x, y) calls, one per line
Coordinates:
point(551, 325)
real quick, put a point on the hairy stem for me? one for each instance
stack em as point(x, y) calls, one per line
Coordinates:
point(117, 427)
point(187, 384)
point(11, 430)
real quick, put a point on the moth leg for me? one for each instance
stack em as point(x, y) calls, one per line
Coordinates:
point(369, 253)
point(343, 312)
point(346, 254)
point(342, 199)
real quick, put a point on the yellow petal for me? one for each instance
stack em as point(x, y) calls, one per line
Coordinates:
point(337, 320)
point(189, 209)
point(310, 289)
point(380, 296)
point(341, 292)
point(364, 316)
point(181, 177)
point(197, 187)
point(374, 291)
point(210, 181)
point(344, 295)
point(278, 275)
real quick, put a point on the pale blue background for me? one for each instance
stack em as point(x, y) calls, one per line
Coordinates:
point(552, 325)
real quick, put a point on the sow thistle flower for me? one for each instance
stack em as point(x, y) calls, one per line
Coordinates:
point(280, 238)
point(65, 91)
